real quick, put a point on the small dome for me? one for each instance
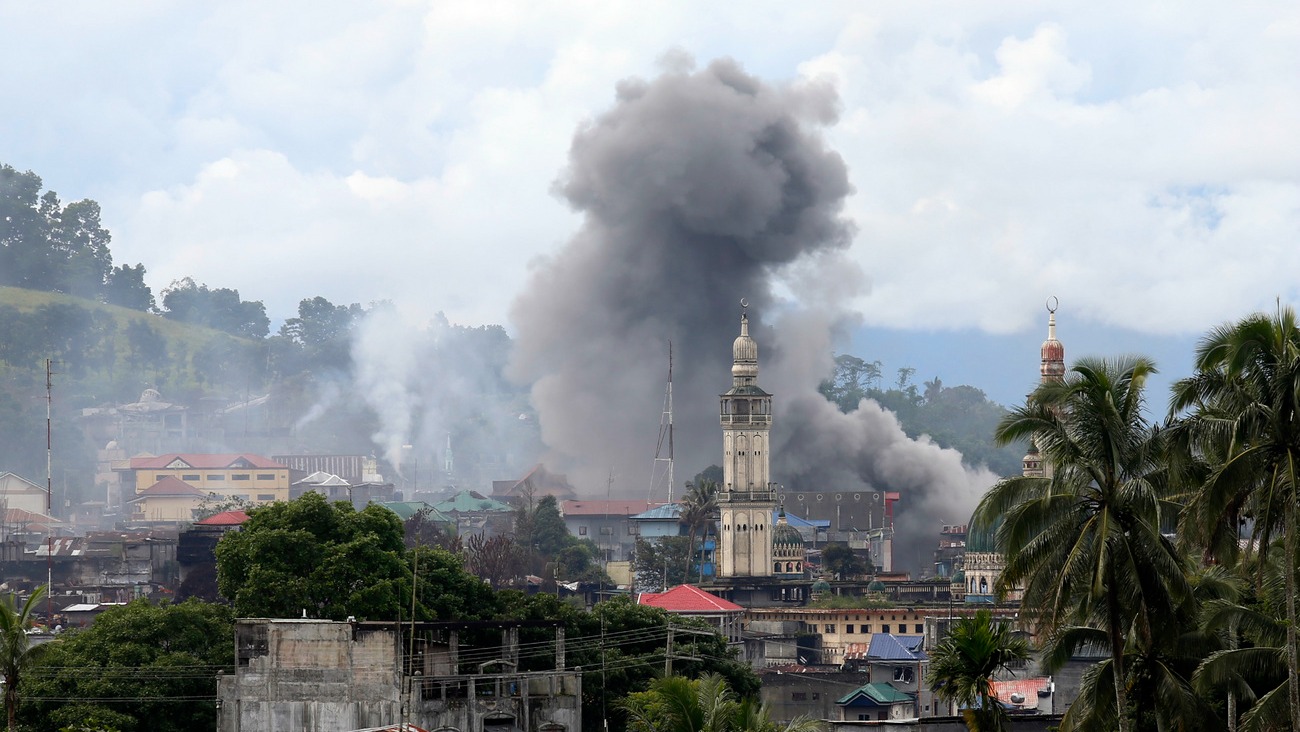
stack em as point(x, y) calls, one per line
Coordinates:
point(959, 578)
point(786, 535)
point(821, 585)
point(150, 395)
point(876, 586)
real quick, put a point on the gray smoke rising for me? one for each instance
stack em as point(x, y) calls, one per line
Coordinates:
point(697, 189)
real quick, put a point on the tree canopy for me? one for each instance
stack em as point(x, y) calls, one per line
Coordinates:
point(308, 554)
point(137, 667)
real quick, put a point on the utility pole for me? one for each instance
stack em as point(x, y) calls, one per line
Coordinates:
point(669, 655)
point(49, 491)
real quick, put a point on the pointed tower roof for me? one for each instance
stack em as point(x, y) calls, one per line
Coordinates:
point(744, 352)
point(1053, 351)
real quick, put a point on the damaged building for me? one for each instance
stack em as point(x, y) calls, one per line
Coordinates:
point(323, 676)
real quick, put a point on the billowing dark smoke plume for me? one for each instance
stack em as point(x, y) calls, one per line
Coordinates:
point(700, 188)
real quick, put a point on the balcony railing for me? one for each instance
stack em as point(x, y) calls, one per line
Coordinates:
point(748, 496)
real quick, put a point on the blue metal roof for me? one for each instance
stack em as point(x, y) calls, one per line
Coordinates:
point(800, 523)
point(889, 647)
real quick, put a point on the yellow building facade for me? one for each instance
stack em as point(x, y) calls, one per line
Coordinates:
point(251, 478)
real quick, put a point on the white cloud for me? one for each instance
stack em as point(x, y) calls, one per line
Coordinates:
point(1137, 161)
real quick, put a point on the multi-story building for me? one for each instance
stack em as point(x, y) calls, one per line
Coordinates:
point(250, 478)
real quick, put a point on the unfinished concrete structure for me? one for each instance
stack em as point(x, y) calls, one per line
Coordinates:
point(326, 676)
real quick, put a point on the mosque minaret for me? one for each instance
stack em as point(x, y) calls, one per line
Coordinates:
point(747, 497)
point(982, 563)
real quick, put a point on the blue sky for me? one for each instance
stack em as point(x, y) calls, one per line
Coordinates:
point(1137, 160)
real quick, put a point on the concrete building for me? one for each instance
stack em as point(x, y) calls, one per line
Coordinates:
point(325, 676)
point(18, 492)
point(168, 501)
point(607, 523)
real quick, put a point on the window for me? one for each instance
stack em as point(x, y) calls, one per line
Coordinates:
point(829, 628)
point(799, 696)
point(920, 628)
point(241, 476)
point(240, 496)
point(216, 477)
point(606, 530)
point(266, 496)
point(631, 530)
point(903, 673)
point(816, 696)
point(266, 476)
point(848, 628)
point(582, 531)
point(866, 628)
point(884, 628)
point(191, 476)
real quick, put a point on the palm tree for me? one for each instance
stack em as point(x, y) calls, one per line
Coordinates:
point(707, 704)
point(1085, 542)
point(1246, 393)
point(963, 664)
point(699, 506)
point(1255, 674)
point(15, 646)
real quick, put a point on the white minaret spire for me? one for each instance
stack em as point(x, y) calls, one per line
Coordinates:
point(747, 498)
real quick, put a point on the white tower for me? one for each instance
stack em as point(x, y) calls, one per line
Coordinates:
point(748, 497)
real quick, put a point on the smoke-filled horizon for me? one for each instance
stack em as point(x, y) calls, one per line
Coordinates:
point(697, 189)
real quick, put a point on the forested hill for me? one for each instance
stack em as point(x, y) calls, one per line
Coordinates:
point(111, 337)
point(959, 417)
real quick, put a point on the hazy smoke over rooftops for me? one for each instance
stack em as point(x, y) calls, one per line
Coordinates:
point(699, 188)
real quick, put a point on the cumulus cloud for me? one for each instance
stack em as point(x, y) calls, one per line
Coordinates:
point(998, 153)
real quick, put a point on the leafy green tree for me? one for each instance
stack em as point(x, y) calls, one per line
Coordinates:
point(219, 308)
point(134, 666)
point(320, 321)
point(125, 286)
point(1086, 542)
point(1247, 390)
point(843, 562)
point(16, 650)
point(965, 662)
point(661, 563)
point(308, 554)
point(445, 591)
point(47, 246)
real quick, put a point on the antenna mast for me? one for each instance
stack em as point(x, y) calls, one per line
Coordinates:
point(665, 435)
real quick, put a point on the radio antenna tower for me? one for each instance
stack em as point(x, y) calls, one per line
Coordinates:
point(663, 464)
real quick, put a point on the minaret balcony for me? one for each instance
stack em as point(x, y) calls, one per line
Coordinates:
point(746, 420)
point(752, 495)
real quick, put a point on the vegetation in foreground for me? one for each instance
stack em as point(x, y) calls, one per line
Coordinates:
point(1160, 543)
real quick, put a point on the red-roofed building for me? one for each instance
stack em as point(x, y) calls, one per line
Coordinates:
point(693, 602)
point(252, 478)
point(225, 518)
point(607, 523)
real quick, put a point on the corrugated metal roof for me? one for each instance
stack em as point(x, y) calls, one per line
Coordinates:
point(877, 692)
point(667, 512)
point(888, 647)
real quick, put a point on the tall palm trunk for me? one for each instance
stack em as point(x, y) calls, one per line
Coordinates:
point(1116, 632)
point(11, 700)
point(1292, 653)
